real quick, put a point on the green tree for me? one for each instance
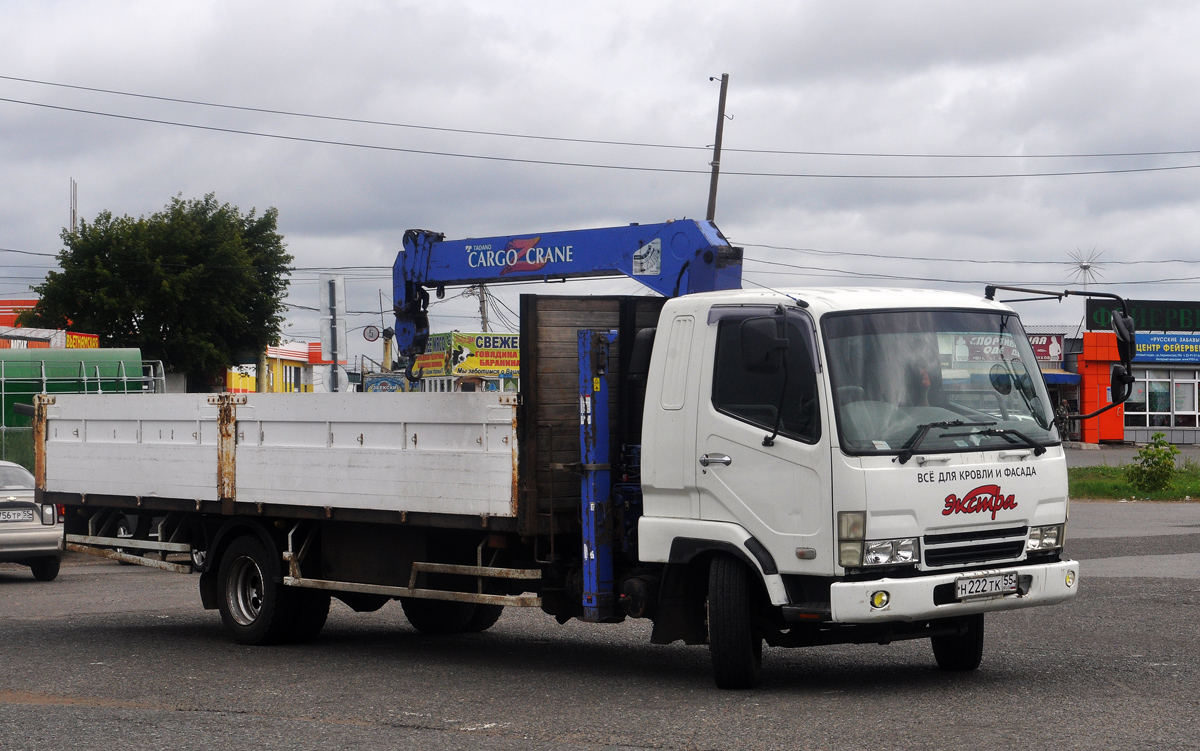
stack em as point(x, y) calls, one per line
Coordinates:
point(197, 285)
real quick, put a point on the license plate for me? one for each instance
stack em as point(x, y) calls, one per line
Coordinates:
point(984, 586)
point(16, 515)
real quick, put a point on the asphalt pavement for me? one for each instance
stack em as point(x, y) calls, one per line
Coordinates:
point(110, 657)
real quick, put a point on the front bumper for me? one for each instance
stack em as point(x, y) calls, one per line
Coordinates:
point(23, 543)
point(913, 599)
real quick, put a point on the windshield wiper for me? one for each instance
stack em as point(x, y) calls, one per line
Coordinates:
point(1012, 436)
point(913, 443)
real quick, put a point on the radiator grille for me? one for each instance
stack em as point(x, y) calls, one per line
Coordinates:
point(981, 546)
point(957, 556)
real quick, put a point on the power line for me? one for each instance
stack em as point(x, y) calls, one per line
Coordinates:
point(821, 271)
point(361, 121)
point(28, 252)
point(351, 144)
point(987, 262)
point(594, 141)
point(592, 165)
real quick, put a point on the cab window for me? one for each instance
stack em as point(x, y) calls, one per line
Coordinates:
point(756, 397)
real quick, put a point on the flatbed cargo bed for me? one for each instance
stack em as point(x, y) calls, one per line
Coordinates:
point(418, 453)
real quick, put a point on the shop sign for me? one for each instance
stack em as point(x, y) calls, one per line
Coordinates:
point(982, 347)
point(1168, 348)
point(1047, 348)
point(1148, 315)
point(385, 382)
point(485, 354)
point(434, 362)
point(82, 341)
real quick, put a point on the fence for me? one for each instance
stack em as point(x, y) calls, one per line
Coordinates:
point(21, 380)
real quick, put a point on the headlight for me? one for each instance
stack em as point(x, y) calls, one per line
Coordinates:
point(1045, 538)
point(891, 552)
point(906, 551)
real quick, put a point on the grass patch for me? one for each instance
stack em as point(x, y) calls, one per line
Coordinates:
point(1108, 483)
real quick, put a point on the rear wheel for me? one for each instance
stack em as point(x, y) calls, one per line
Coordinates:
point(436, 617)
point(45, 569)
point(312, 609)
point(735, 645)
point(255, 609)
point(964, 650)
point(484, 617)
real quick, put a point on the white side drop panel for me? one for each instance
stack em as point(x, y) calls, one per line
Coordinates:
point(441, 453)
point(449, 453)
point(132, 444)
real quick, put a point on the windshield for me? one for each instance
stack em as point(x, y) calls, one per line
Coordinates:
point(15, 478)
point(893, 373)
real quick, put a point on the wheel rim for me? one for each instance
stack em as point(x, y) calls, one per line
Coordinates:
point(245, 591)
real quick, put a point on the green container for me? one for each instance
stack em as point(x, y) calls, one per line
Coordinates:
point(26, 372)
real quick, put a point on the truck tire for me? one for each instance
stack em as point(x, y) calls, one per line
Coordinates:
point(962, 651)
point(437, 617)
point(484, 617)
point(735, 646)
point(255, 609)
point(45, 569)
point(312, 610)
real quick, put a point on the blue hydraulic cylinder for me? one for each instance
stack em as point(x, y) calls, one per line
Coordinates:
point(596, 506)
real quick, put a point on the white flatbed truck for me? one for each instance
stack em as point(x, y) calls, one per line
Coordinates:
point(797, 467)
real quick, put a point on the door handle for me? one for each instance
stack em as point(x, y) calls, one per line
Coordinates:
point(708, 459)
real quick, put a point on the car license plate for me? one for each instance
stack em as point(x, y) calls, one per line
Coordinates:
point(985, 586)
point(16, 515)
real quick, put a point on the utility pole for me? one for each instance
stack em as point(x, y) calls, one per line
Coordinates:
point(716, 162)
point(483, 308)
point(333, 337)
point(74, 205)
point(480, 291)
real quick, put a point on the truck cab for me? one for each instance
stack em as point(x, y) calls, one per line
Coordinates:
point(875, 458)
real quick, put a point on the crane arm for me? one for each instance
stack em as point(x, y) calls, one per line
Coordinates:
point(671, 258)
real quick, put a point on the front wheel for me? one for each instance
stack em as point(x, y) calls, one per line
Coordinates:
point(735, 645)
point(255, 609)
point(961, 651)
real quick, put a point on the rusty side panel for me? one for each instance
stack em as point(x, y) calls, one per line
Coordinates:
point(227, 449)
point(40, 403)
point(516, 463)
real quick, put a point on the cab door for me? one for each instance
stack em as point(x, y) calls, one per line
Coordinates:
point(779, 488)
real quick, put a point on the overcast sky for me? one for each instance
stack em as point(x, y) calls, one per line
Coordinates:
point(1010, 88)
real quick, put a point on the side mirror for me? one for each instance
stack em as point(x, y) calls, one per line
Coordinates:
point(1121, 383)
point(1126, 337)
point(1001, 379)
point(762, 347)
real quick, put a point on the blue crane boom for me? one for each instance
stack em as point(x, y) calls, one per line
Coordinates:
point(672, 258)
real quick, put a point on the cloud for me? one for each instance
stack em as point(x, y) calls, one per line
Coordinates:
point(1018, 78)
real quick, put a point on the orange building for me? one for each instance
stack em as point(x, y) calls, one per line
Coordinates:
point(10, 309)
point(1094, 365)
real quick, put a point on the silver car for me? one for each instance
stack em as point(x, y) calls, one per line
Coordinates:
point(30, 533)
